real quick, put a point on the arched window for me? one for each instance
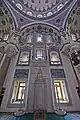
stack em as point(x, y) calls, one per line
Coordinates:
point(24, 58)
point(73, 36)
point(29, 38)
point(39, 38)
point(54, 58)
point(39, 54)
point(48, 39)
point(5, 37)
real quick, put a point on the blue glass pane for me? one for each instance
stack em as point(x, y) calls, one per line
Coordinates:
point(21, 73)
point(57, 73)
point(54, 49)
point(25, 49)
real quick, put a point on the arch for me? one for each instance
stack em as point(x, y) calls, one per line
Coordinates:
point(39, 23)
point(69, 13)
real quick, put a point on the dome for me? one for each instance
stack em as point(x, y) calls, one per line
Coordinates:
point(39, 9)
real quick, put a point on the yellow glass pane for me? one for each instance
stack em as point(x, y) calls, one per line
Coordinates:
point(22, 84)
point(60, 91)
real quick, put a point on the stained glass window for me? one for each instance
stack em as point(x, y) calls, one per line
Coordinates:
point(21, 73)
point(73, 36)
point(29, 38)
point(6, 37)
point(54, 58)
point(39, 38)
point(58, 80)
point(19, 84)
point(60, 91)
point(49, 39)
point(18, 91)
point(57, 73)
point(24, 58)
point(39, 54)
